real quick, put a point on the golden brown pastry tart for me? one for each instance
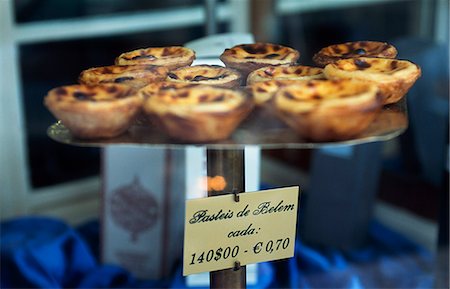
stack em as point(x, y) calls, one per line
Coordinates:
point(155, 87)
point(298, 72)
point(248, 57)
point(200, 113)
point(393, 77)
point(136, 76)
point(99, 111)
point(172, 57)
point(328, 110)
point(206, 74)
point(356, 49)
point(263, 92)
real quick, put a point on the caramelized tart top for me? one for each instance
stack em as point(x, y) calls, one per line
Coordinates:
point(262, 92)
point(376, 69)
point(343, 93)
point(162, 56)
point(298, 72)
point(153, 88)
point(196, 99)
point(203, 74)
point(90, 93)
point(272, 54)
point(354, 50)
point(122, 74)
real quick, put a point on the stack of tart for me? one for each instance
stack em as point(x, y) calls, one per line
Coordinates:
point(373, 62)
point(326, 104)
point(336, 100)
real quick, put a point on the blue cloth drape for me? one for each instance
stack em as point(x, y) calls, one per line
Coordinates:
point(388, 260)
point(38, 252)
point(41, 252)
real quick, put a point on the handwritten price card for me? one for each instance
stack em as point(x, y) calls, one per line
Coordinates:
point(219, 230)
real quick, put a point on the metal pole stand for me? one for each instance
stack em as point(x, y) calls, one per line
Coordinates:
point(228, 164)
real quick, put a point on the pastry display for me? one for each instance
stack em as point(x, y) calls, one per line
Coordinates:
point(89, 112)
point(200, 113)
point(328, 110)
point(393, 77)
point(171, 57)
point(136, 76)
point(248, 57)
point(206, 74)
point(356, 49)
point(159, 97)
point(297, 72)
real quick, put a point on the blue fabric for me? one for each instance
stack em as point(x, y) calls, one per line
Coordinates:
point(41, 252)
point(46, 253)
point(389, 260)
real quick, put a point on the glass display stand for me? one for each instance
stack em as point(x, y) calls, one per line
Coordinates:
point(258, 129)
point(226, 158)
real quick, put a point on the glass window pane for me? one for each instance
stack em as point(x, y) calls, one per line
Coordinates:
point(48, 65)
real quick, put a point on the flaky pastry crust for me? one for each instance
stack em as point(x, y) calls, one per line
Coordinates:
point(248, 57)
point(356, 49)
point(296, 72)
point(136, 76)
point(207, 75)
point(328, 110)
point(171, 57)
point(393, 77)
point(89, 112)
point(199, 114)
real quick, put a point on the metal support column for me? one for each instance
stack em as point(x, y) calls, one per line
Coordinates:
point(230, 165)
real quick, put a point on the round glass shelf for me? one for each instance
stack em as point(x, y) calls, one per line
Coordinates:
point(265, 132)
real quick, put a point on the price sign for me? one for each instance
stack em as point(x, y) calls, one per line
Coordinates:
point(219, 231)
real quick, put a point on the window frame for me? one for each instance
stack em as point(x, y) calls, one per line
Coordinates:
point(77, 200)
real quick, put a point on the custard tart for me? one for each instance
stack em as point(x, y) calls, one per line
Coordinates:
point(172, 57)
point(100, 111)
point(248, 57)
point(200, 113)
point(263, 92)
point(393, 77)
point(297, 72)
point(207, 75)
point(328, 110)
point(356, 49)
point(155, 87)
point(136, 76)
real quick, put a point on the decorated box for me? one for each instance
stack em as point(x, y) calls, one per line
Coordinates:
point(143, 209)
